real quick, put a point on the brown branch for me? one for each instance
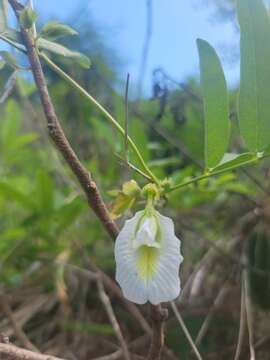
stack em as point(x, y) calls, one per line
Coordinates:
point(57, 135)
point(109, 310)
point(11, 352)
point(158, 315)
point(16, 326)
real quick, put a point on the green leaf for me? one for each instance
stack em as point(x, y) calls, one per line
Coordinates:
point(11, 193)
point(44, 193)
point(54, 30)
point(230, 160)
point(9, 59)
point(61, 50)
point(254, 96)
point(3, 15)
point(67, 214)
point(216, 107)
point(28, 16)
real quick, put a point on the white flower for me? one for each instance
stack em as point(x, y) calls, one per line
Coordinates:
point(147, 254)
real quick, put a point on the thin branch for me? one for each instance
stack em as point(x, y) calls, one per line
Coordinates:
point(16, 326)
point(134, 345)
point(242, 324)
point(14, 352)
point(132, 167)
point(9, 86)
point(109, 310)
point(205, 326)
point(89, 97)
point(249, 314)
point(110, 285)
point(58, 137)
point(158, 315)
point(185, 330)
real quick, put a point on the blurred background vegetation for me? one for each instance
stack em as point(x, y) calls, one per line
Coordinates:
point(45, 221)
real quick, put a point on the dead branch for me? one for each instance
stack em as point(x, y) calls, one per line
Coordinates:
point(11, 352)
point(16, 326)
point(109, 310)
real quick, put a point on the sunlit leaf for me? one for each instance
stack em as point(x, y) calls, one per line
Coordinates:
point(216, 108)
point(254, 96)
point(230, 160)
point(54, 30)
point(61, 50)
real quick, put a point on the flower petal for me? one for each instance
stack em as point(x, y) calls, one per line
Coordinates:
point(127, 275)
point(144, 275)
point(165, 284)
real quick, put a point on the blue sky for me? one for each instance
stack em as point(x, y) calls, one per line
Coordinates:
point(176, 25)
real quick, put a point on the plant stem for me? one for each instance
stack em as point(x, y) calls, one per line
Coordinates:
point(218, 172)
point(83, 92)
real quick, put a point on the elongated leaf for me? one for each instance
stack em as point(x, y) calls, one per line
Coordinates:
point(61, 50)
point(54, 30)
point(216, 107)
point(230, 160)
point(254, 96)
point(3, 15)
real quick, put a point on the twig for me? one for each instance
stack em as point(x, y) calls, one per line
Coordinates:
point(58, 137)
point(132, 167)
point(8, 351)
point(134, 345)
point(249, 315)
point(9, 86)
point(218, 300)
point(242, 324)
point(112, 287)
point(185, 330)
point(16, 326)
point(90, 98)
point(109, 310)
